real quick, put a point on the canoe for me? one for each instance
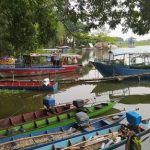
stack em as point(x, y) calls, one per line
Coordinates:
point(61, 132)
point(28, 85)
point(55, 121)
point(95, 139)
point(43, 113)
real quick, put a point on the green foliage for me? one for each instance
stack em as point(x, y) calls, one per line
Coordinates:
point(26, 25)
point(84, 38)
point(17, 28)
point(132, 14)
point(136, 99)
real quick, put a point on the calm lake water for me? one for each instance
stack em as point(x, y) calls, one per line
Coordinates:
point(16, 102)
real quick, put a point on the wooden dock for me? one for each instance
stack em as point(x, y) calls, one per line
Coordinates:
point(137, 77)
point(104, 79)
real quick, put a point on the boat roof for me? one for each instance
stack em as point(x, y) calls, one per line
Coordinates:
point(71, 55)
point(136, 50)
point(51, 49)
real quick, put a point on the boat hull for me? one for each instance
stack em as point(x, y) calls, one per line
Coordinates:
point(34, 86)
point(87, 136)
point(23, 72)
point(110, 70)
point(52, 122)
point(97, 123)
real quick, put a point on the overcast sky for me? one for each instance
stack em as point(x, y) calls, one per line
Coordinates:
point(118, 32)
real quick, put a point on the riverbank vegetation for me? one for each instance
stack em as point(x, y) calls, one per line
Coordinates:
point(136, 99)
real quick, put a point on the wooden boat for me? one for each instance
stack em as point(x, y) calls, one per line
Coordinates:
point(54, 121)
point(112, 138)
point(26, 140)
point(50, 111)
point(29, 85)
point(117, 67)
point(29, 68)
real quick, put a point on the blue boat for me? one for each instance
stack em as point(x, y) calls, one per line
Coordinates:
point(119, 67)
point(63, 132)
point(109, 138)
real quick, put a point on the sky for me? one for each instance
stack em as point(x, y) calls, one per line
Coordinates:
point(118, 32)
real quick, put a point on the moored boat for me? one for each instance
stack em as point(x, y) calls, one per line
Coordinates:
point(51, 109)
point(109, 138)
point(55, 121)
point(61, 132)
point(118, 67)
point(53, 64)
point(29, 85)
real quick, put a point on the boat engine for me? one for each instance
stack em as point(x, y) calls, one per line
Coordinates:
point(82, 119)
point(46, 81)
point(134, 119)
point(79, 104)
point(48, 101)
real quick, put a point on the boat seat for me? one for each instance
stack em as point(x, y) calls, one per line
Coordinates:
point(53, 119)
point(63, 116)
point(29, 116)
point(106, 122)
point(98, 106)
point(42, 113)
point(115, 117)
point(4, 123)
point(17, 119)
point(41, 123)
point(104, 104)
point(29, 126)
point(51, 110)
point(59, 109)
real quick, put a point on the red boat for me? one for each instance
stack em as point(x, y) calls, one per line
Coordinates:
point(32, 65)
point(44, 85)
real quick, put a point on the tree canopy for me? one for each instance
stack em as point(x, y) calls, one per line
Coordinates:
point(29, 24)
point(132, 14)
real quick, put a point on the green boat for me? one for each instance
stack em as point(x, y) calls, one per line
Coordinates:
point(55, 121)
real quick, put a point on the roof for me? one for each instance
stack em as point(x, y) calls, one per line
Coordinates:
point(51, 49)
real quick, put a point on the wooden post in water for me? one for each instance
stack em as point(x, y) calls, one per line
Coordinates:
point(13, 76)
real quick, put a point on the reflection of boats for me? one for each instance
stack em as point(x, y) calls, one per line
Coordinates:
point(41, 64)
point(29, 85)
point(118, 67)
point(55, 121)
point(41, 137)
point(110, 138)
point(105, 87)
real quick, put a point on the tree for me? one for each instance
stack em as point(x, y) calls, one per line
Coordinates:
point(26, 25)
point(132, 14)
point(17, 28)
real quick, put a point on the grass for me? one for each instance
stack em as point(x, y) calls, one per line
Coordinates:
point(136, 99)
